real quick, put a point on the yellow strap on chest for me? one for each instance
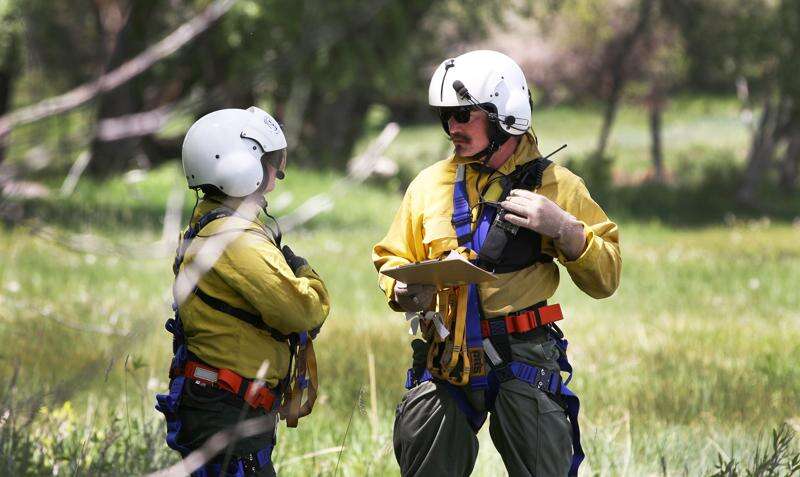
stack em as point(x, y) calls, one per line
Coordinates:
point(449, 358)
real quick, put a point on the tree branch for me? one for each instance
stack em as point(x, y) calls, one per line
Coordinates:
point(124, 73)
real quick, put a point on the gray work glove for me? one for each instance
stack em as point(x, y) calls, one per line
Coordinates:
point(414, 297)
point(294, 261)
point(538, 213)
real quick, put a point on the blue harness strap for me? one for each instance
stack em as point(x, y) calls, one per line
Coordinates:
point(573, 407)
point(462, 215)
point(413, 380)
point(168, 403)
point(462, 221)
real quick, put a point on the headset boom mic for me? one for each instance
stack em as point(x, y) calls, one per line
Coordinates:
point(461, 90)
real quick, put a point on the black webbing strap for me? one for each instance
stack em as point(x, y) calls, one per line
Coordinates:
point(249, 318)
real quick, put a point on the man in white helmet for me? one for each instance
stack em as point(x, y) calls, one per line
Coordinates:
point(245, 307)
point(493, 347)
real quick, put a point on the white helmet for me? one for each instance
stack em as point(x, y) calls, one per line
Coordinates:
point(488, 80)
point(224, 149)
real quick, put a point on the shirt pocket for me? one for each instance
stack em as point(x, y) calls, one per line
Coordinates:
point(439, 236)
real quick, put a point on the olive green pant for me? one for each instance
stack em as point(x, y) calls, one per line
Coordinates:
point(206, 411)
point(529, 428)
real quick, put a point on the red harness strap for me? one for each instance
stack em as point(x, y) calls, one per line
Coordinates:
point(254, 393)
point(528, 320)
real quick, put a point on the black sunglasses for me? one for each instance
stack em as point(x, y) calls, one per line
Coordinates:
point(460, 113)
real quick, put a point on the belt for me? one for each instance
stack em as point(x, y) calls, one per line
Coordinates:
point(253, 392)
point(522, 322)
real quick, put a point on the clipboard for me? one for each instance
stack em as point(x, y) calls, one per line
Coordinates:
point(453, 270)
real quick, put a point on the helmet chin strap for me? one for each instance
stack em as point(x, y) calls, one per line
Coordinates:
point(497, 138)
point(276, 233)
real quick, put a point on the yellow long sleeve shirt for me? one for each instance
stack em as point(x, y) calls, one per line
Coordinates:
point(250, 274)
point(422, 230)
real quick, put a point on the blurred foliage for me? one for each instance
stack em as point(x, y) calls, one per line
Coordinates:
point(322, 66)
point(782, 458)
point(317, 65)
point(336, 72)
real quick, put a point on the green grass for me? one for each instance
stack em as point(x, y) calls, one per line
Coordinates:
point(694, 356)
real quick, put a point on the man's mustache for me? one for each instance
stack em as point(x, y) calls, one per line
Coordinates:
point(460, 137)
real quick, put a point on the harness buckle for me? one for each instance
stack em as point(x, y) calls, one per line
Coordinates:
point(255, 393)
point(201, 373)
point(521, 322)
point(258, 395)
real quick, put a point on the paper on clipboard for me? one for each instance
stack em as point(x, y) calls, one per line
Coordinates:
point(453, 270)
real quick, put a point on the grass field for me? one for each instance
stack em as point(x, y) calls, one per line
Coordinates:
point(694, 356)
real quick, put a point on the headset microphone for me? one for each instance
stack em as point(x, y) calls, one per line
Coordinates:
point(461, 90)
point(279, 175)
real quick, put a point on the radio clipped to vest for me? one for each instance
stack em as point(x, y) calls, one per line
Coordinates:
point(508, 248)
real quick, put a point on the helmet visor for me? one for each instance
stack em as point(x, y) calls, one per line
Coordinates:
point(276, 159)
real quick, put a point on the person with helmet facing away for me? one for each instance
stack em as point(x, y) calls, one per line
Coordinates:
point(493, 347)
point(246, 308)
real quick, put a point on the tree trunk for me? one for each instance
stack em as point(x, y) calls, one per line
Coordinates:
point(609, 115)
point(9, 70)
point(333, 127)
point(618, 72)
point(762, 148)
point(655, 106)
point(656, 151)
point(109, 157)
point(791, 161)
